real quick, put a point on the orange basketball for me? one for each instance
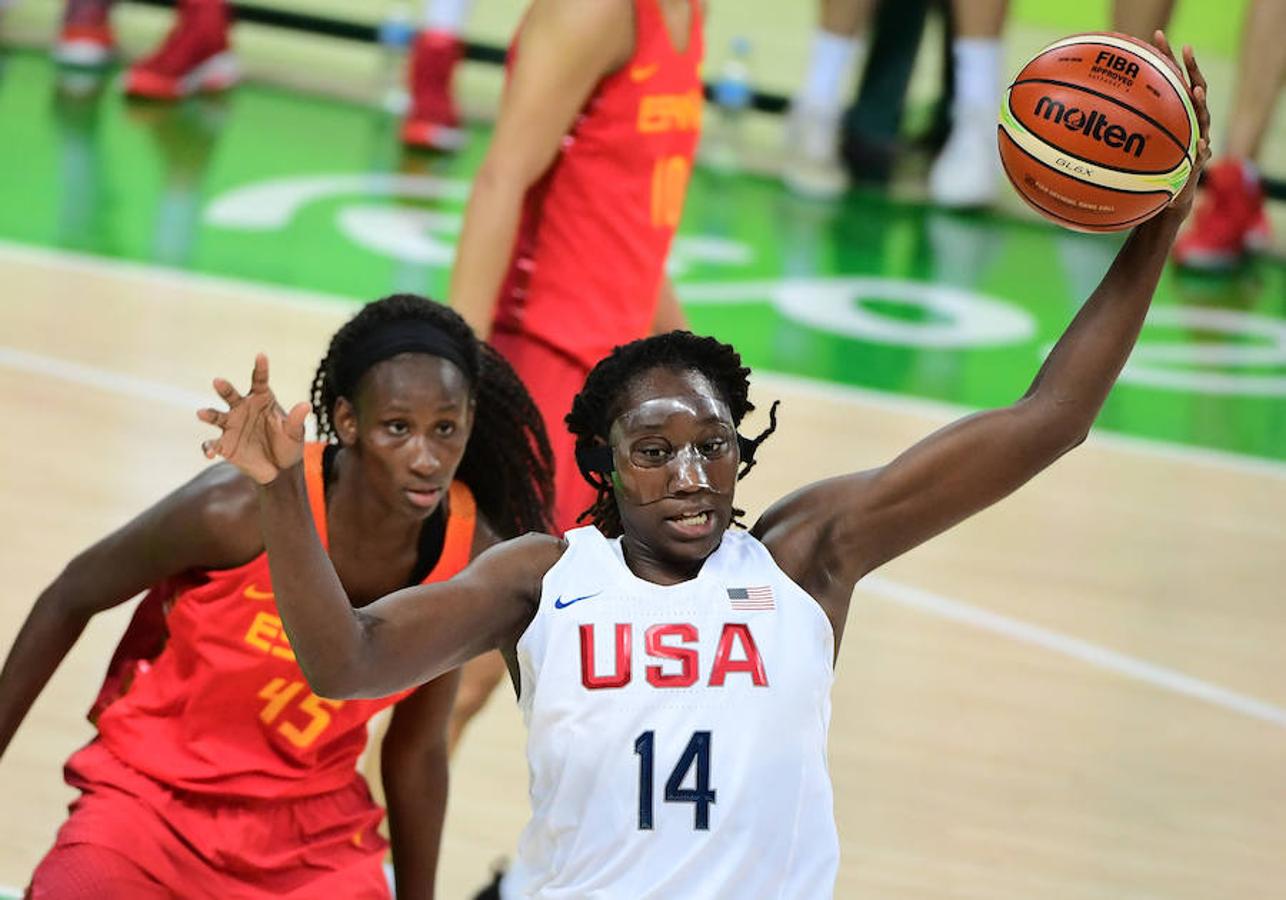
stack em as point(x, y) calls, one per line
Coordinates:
point(1097, 132)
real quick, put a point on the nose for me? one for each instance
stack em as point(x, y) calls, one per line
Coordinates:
point(424, 460)
point(688, 472)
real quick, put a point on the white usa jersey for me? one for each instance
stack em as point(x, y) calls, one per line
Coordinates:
point(676, 734)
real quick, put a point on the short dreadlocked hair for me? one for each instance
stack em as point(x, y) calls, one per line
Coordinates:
point(507, 464)
point(599, 401)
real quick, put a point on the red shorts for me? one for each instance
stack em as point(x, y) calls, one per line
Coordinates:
point(553, 378)
point(131, 837)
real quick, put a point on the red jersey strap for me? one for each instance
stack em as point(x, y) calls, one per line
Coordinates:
point(316, 486)
point(462, 517)
point(650, 20)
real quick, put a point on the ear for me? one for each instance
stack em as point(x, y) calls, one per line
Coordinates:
point(345, 419)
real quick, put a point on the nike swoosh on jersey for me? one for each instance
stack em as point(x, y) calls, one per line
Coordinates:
point(253, 593)
point(559, 604)
point(643, 73)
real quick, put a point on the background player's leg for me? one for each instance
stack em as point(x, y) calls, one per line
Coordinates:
point(85, 38)
point(812, 163)
point(478, 679)
point(195, 56)
point(1231, 219)
point(433, 122)
point(1139, 18)
point(89, 872)
point(966, 172)
point(1261, 72)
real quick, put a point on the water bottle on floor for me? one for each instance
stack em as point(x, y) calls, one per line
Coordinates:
point(732, 96)
point(396, 32)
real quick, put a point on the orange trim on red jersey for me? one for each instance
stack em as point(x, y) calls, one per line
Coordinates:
point(462, 517)
point(316, 486)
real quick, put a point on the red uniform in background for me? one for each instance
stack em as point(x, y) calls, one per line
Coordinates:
point(216, 771)
point(590, 254)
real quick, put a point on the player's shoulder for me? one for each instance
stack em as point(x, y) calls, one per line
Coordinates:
point(223, 497)
point(220, 505)
point(524, 559)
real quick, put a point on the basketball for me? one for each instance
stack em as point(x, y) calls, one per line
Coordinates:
point(1097, 132)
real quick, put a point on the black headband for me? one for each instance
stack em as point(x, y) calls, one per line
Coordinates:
point(388, 340)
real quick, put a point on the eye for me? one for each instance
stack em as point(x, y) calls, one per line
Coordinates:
point(397, 427)
point(445, 428)
point(714, 447)
point(650, 454)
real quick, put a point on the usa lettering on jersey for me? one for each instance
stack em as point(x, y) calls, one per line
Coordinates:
point(736, 653)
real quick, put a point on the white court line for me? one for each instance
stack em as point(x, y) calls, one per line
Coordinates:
point(1093, 654)
point(924, 601)
point(101, 379)
point(331, 304)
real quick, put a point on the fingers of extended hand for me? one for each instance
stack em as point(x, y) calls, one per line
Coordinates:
point(212, 417)
point(1163, 44)
point(210, 448)
point(225, 390)
point(259, 376)
point(295, 420)
point(1199, 91)
point(1195, 75)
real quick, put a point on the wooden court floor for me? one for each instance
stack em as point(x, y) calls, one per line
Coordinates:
point(1077, 694)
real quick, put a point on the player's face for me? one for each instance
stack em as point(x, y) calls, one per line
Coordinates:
point(675, 456)
point(412, 421)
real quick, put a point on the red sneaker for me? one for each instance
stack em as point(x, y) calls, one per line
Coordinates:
point(433, 122)
point(85, 38)
point(1229, 219)
point(194, 57)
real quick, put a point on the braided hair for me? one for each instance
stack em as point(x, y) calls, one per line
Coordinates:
point(507, 464)
point(599, 402)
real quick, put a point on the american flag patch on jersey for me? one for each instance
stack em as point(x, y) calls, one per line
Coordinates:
point(751, 598)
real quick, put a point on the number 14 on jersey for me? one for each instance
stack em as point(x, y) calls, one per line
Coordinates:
point(701, 795)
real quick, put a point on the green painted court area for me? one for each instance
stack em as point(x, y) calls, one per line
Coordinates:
point(897, 297)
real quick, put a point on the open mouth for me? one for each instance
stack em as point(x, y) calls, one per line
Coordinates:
point(693, 525)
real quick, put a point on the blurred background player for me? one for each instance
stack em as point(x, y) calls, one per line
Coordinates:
point(563, 247)
point(213, 765)
point(196, 56)
point(433, 121)
point(966, 172)
point(1230, 219)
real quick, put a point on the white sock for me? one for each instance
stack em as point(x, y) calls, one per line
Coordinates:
point(830, 66)
point(976, 63)
point(446, 15)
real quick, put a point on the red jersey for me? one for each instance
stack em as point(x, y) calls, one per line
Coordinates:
point(596, 228)
point(223, 708)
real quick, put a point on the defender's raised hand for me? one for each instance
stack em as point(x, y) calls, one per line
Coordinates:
point(258, 436)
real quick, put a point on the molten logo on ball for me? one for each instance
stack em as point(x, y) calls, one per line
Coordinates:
point(1095, 125)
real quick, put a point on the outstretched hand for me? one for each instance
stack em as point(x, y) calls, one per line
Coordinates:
point(258, 436)
point(1196, 81)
